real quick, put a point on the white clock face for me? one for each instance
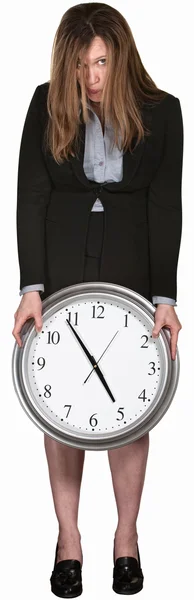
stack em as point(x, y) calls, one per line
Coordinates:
point(105, 386)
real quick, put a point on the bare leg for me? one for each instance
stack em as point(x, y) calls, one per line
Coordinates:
point(128, 466)
point(65, 466)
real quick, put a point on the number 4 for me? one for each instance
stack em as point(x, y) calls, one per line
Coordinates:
point(142, 396)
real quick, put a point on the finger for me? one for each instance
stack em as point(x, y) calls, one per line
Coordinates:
point(17, 328)
point(156, 329)
point(173, 344)
point(17, 337)
point(38, 322)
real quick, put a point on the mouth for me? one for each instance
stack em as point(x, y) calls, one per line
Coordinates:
point(93, 91)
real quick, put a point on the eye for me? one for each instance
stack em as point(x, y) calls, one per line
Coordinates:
point(102, 60)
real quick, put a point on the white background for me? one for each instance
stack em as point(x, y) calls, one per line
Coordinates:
point(163, 34)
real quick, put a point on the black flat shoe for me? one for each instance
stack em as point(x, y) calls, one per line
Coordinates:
point(66, 578)
point(127, 575)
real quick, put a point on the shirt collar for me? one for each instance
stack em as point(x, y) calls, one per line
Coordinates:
point(88, 106)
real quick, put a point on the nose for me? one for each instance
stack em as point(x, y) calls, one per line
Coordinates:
point(91, 75)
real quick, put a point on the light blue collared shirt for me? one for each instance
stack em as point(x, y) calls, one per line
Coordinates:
point(103, 165)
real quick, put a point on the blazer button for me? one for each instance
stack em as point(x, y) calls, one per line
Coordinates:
point(97, 190)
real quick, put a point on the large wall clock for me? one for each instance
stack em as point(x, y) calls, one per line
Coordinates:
point(94, 377)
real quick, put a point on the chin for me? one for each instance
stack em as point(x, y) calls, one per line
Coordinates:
point(94, 97)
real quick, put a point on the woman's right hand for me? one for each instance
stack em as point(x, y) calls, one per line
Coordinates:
point(30, 306)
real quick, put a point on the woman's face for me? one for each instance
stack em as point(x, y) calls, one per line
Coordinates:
point(95, 68)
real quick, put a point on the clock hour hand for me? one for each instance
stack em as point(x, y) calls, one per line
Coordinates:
point(92, 360)
point(103, 380)
point(101, 356)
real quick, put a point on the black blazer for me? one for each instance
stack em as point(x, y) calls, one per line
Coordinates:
point(142, 212)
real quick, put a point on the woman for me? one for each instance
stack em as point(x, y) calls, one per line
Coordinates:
point(99, 198)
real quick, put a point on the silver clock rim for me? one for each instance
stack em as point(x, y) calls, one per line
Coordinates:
point(95, 441)
point(99, 437)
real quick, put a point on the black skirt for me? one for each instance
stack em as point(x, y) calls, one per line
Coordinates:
point(93, 246)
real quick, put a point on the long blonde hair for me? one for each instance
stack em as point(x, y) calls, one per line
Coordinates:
point(127, 88)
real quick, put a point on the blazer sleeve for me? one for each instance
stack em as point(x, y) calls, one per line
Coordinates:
point(165, 207)
point(33, 193)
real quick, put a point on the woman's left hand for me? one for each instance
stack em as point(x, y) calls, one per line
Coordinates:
point(165, 316)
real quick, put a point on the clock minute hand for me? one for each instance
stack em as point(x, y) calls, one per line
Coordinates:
point(101, 356)
point(93, 361)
